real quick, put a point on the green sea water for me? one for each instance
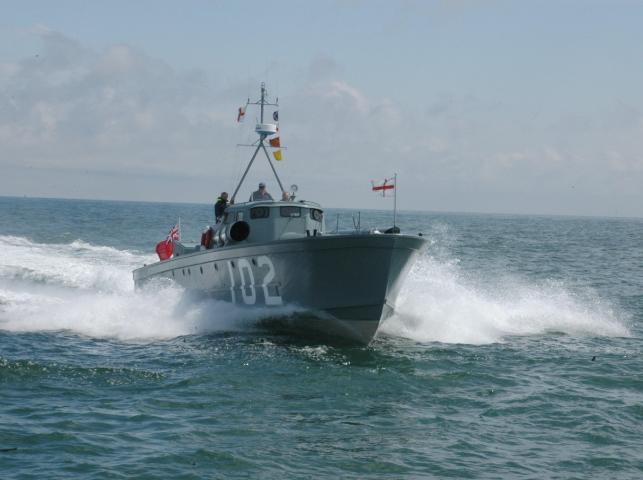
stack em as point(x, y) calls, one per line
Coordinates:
point(515, 352)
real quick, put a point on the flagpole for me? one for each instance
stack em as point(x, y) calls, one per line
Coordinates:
point(394, 199)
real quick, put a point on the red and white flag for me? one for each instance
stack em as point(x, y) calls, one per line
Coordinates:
point(174, 235)
point(241, 114)
point(165, 248)
point(387, 184)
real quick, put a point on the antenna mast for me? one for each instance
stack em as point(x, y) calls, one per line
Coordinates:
point(264, 130)
point(263, 98)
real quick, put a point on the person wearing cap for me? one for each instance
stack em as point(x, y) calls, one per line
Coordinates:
point(220, 206)
point(261, 194)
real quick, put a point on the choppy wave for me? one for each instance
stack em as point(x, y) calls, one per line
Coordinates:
point(89, 290)
point(76, 265)
point(439, 302)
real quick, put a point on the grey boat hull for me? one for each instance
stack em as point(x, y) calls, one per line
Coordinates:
point(349, 282)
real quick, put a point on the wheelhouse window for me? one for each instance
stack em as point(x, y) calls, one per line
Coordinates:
point(290, 211)
point(260, 212)
point(316, 214)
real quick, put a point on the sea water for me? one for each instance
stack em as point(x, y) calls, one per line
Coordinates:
point(515, 352)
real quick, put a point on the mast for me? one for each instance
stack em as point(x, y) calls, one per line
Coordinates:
point(263, 98)
point(264, 130)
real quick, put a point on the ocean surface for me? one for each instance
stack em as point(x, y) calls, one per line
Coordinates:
point(515, 353)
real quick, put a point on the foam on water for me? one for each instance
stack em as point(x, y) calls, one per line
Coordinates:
point(439, 302)
point(76, 265)
point(89, 290)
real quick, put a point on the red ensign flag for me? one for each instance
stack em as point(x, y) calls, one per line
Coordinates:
point(165, 248)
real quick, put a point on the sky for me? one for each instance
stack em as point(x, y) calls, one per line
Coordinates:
point(532, 107)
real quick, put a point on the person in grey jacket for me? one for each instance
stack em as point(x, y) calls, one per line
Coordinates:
point(261, 194)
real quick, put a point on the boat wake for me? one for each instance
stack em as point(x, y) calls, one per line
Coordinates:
point(88, 290)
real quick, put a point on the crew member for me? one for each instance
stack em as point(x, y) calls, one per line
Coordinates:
point(261, 194)
point(220, 206)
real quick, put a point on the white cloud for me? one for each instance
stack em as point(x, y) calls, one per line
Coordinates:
point(119, 111)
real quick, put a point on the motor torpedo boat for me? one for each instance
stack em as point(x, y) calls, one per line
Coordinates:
point(274, 253)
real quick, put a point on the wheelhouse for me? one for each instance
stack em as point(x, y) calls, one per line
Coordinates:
point(269, 221)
